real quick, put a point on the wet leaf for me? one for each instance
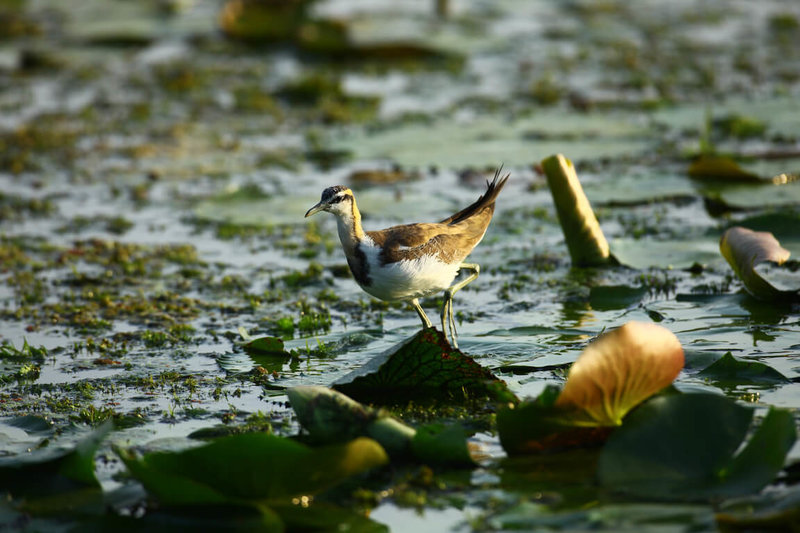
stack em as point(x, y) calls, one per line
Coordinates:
point(439, 444)
point(681, 447)
point(714, 167)
point(585, 240)
point(745, 249)
point(329, 417)
point(52, 470)
point(605, 298)
point(731, 371)
point(619, 370)
point(424, 367)
point(252, 467)
point(320, 516)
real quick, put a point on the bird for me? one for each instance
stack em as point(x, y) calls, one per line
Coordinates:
point(412, 261)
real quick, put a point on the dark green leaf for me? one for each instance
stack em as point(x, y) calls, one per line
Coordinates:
point(424, 367)
point(731, 371)
point(763, 457)
point(320, 516)
point(439, 444)
point(244, 518)
point(265, 346)
point(606, 298)
point(680, 447)
point(535, 426)
point(251, 467)
point(53, 470)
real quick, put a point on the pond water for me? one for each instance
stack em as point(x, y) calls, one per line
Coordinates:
point(154, 174)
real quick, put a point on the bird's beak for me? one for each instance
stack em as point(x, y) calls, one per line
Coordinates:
point(316, 209)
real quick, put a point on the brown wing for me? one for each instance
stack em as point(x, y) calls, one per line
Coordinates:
point(451, 239)
point(450, 242)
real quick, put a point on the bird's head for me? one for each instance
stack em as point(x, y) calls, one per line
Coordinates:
point(337, 200)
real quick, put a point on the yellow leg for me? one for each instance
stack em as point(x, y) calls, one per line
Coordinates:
point(426, 322)
point(448, 320)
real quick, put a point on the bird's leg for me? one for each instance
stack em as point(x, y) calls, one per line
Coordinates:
point(426, 322)
point(447, 307)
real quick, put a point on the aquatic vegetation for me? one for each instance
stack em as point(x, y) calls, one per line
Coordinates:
point(155, 165)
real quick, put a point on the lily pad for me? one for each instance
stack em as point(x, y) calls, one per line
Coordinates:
point(251, 468)
point(713, 167)
point(330, 416)
point(619, 370)
point(745, 250)
point(54, 477)
point(424, 367)
point(681, 447)
point(728, 371)
point(613, 375)
point(440, 444)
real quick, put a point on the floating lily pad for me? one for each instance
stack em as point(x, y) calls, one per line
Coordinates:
point(250, 468)
point(712, 167)
point(729, 371)
point(681, 447)
point(424, 367)
point(55, 478)
point(441, 444)
point(605, 298)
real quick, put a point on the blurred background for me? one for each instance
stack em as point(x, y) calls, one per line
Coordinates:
point(157, 157)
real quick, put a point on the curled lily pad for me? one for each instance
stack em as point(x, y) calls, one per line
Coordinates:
point(585, 240)
point(619, 370)
point(613, 375)
point(330, 416)
point(745, 249)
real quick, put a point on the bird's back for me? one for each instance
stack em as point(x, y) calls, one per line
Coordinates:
point(451, 240)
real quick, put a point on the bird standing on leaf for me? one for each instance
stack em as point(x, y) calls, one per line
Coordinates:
point(412, 261)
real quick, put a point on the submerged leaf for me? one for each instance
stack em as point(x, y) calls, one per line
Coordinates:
point(585, 240)
point(424, 367)
point(619, 370)
point(681, 447)
point(745, 249)
point(252, 467)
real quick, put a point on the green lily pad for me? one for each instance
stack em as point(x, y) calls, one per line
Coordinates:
point(424, 367)
point(681, 447)
point(728, 371)
point(713, 167)
point(440, 444)
point(249, 468)
point(606, 298)
point(53, 479)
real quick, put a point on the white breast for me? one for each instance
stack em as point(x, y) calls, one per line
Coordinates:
point(404, 280)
